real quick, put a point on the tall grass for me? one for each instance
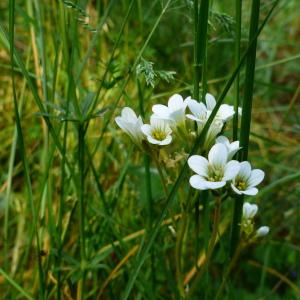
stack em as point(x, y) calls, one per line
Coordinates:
point(88, 216)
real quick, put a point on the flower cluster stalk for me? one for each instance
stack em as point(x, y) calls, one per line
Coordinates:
point(81, 133)
point(237, 51)
point(246, 115)
point(200, 42)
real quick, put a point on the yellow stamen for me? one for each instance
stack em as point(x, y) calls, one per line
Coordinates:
point(159, 135)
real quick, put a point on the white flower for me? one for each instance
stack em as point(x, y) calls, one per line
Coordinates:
point(249, 210)
point(246, 180)
point(232, 148)
point(262, 231)
point(158, 132)
point(214, 172)
point(225, 112)
point(131, 124)
point(174, 113)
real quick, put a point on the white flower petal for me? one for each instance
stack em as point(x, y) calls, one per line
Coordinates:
point(262, 231)
point(231, 170)
point(160, 110)
point(166, 141)
point(198, 182)
point(210, 101)
point(235, 189)
point(225, 112)
point(175, 102)
point(251, 191)
point(197, 109)
point(146, 129)
point(178, 116)
point(153, 141)
point(120, 123)
point(218, 155)
point(128, 114)
point(198, 164)
point(192, 117)
point(256, 177)
point(245, 170)
point(223, 140)
point(213, 185)
point(249, 210)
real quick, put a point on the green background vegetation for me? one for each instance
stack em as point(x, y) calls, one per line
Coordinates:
point(75, 65)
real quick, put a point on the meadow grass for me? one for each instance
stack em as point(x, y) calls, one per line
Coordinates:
point(85, 213)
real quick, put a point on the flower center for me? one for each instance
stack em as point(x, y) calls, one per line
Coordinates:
point(158, 134)
point(241, 185)
point(215, 174)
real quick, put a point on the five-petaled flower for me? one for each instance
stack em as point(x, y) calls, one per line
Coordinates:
point(158, 132)
point(131, 124)
point(246, 180)
point(214, 172)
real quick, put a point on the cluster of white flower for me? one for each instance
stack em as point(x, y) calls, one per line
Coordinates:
point(218, 169)
point(172, 119)
point(247, 224)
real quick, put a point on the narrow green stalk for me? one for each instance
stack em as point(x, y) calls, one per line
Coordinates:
point(148, 183)
point(61, 203)
point(246, 117)
point(10, 176)
point(81, 132)
point(22, 151)
point(200, 42)
point(237, 56)
point(178, 253)
point(160, 172)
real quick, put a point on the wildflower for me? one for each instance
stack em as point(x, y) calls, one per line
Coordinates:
point(262, 231)
point(158, 132)
point(214, 172)
point(232, 148)
point(225, 112)
point(131, 124)
point(174, 113)
point(246, 180)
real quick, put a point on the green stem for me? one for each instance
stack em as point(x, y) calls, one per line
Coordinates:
point(160, 172)
point(81, 132)
point(246, 116)
point(200, 42)
point(238, 16)
point(22, 151)
point(178, 253)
